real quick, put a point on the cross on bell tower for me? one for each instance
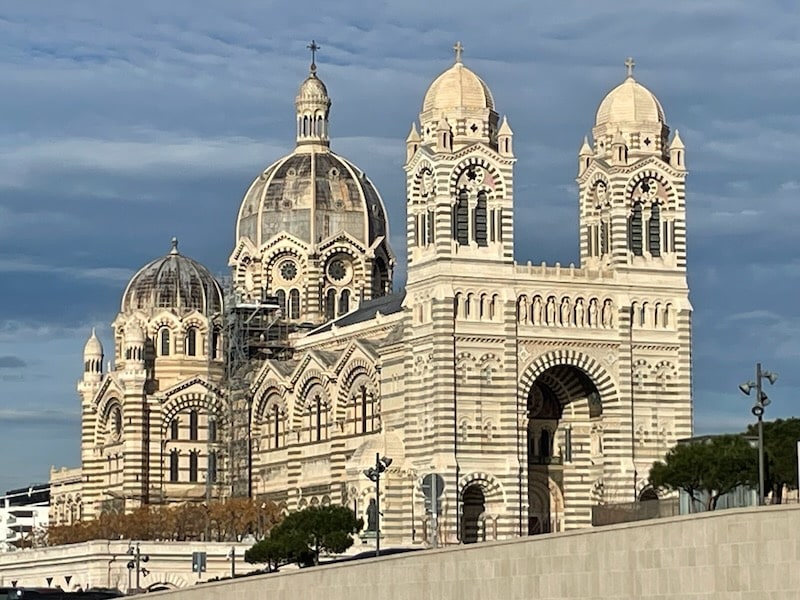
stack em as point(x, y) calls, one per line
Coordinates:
point(629, 64)
point(313, 46)
point(459, 49)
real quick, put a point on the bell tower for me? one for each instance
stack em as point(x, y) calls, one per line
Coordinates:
point(459, 174)
point(632, 184)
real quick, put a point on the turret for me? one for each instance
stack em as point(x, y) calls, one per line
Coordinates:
point(412, 142)
point(505, 148)
point(619, 150)
point(134, 347)
point(92, 359)
point(677, 153)
point(584, 156)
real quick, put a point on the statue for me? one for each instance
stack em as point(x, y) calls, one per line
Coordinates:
point(523, 310)
point(551, 311)
point(579, 312)
point(607, 313)
point(593, 312)
point(536, 316)
point(565, 314)
point(372, 516)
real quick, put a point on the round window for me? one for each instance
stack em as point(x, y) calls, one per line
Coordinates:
point(288, 270)
point(337, 269)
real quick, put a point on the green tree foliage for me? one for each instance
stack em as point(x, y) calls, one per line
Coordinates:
point(707, 468)
point(303, 535)
point(780, 447)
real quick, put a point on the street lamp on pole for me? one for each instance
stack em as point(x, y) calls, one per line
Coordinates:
point(762, 401)
point(374, 475)
point(136, 564)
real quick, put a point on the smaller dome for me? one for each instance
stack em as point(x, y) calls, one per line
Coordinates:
point(173, 282)
point(312, 88)
point(458, 87)
point(93, 347)
point(134, 334)
point(630, 102)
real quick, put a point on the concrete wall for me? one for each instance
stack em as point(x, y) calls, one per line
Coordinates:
point(104, 564)
point(734, 554)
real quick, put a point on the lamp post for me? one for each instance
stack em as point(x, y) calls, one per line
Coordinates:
point(135, 564)
point(762, 401)
point(374, 475)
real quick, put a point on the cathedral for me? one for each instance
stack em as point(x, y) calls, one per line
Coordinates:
point(534, 392)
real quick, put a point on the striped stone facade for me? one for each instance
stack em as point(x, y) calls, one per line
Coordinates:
point(535, 391)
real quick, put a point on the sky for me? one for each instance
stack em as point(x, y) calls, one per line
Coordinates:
point(125, 124)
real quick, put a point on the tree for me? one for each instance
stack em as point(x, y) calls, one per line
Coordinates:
point(780, 449)
point(708, 468)
point(303, 535)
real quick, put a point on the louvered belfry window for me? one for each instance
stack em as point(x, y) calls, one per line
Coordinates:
point(481, 226)
point(461, 224)
point(653, 231)
point(635, 241)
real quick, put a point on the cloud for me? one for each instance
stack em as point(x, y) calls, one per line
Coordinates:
point(11, 417)
point(12, 362)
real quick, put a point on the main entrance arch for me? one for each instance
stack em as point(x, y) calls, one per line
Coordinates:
point(563, 396)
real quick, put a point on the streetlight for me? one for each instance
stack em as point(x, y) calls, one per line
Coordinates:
point(762, 401)
point(374, 475)
point(136, 564)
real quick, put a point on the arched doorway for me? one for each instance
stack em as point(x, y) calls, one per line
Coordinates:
point(474, 503)
point(561, 400)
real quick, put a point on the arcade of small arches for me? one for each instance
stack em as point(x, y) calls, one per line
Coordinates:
point(550, 311)
point(67, 510)
point(477, 306)
point(170, 338)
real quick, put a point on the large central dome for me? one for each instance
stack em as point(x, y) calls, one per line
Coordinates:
point(312, 195)
point(312, 228)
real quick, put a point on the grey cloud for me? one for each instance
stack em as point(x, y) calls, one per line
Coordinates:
point(12, 362)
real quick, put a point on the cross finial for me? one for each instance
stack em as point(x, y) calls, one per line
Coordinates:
point(459, 50)
point(313, 46)
point(629, 64)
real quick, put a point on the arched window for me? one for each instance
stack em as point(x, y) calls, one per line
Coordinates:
point(344, 302)
point(193, 425)
point(480, 224)
point(430, 229)
point(635, 241)
point(191, 341)
point(330, 304)
point(173, 429)
point(294, 304)
point(317, 422)
point(212, 429)
point(281, 296)
point(193, 466)
point(173, 466)
point(363, 410)
point(276, 426)
point(211, 469)
point(461, 218)
point(654, 230)
point(545, 448)
point(164, 341)
point(215, 344)
point(605, 237)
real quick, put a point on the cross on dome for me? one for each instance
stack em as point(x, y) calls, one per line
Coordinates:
point(313, 46)
point(629, 64)
point(459, 50)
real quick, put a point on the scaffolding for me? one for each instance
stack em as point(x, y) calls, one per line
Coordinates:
point(254, 330)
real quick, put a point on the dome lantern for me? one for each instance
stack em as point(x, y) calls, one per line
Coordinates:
point(313, 107)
